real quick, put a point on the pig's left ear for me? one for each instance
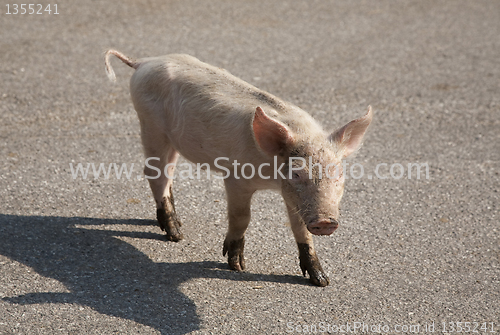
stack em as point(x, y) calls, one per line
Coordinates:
point(272, 136)
point(348, 138)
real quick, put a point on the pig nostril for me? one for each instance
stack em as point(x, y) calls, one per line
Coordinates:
point(334, 222)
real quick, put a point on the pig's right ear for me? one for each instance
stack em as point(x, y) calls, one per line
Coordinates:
point(348, 138)
point(272, 136)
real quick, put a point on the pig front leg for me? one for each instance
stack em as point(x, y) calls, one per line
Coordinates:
point(162, 189)
point(309, 261)
point(238, 209)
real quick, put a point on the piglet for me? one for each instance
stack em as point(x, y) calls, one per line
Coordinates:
point(221, 122)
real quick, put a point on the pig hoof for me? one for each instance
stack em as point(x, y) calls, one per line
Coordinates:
point(170, 224)
point(316, 274)
point(309, 263)
point(318, 277)
point(234, 250)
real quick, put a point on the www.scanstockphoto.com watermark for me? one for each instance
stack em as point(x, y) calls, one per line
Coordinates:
point(249, 171)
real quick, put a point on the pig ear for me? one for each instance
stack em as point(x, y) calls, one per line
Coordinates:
point(271, 135)
point(348, 138)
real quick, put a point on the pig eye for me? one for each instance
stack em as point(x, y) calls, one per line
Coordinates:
point(296, 177)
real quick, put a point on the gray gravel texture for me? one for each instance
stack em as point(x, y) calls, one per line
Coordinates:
point(86, 256)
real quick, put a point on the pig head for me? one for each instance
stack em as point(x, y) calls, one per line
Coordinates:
point(314, 181)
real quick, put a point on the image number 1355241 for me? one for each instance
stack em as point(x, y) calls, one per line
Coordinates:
point(31, 9)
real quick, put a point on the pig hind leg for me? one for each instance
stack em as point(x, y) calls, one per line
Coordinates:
point(238, 202)
point(309, 261)
point(156, 145)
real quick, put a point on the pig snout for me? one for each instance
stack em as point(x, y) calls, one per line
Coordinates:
point(323, 227)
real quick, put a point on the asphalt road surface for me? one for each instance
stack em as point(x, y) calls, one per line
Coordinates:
point(85, 256)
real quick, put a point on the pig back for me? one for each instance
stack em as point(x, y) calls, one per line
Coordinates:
point(204, 111)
